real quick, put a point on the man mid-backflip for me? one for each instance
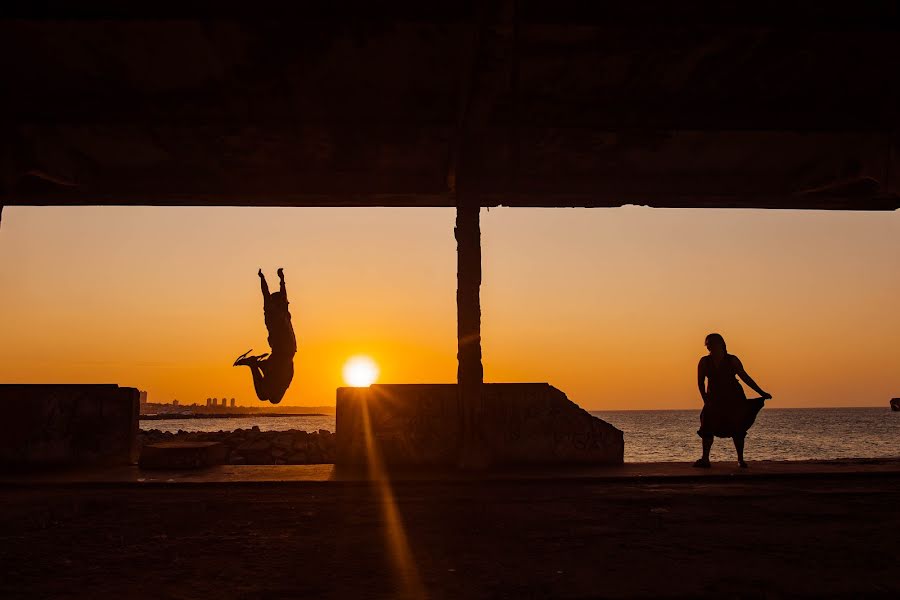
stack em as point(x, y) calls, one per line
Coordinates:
point(273, 375)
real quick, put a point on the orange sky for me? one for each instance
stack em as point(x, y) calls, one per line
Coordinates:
point(609, 305)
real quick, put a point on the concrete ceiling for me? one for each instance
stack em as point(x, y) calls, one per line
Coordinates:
point(541, 103)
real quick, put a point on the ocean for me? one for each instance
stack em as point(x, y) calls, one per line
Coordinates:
point(670, 435)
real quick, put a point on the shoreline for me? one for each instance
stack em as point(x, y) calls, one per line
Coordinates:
point(175, 416)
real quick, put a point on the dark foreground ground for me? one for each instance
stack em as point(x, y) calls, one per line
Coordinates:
point(568, 539)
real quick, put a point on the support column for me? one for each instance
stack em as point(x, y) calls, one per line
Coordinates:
point(470, 373)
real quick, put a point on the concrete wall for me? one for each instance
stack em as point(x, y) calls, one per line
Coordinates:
point(521, 423)
point(68, 424)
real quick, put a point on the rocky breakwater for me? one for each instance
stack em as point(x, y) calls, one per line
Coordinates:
point(255, 447)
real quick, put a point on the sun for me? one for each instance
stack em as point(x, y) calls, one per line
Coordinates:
point(360, 371)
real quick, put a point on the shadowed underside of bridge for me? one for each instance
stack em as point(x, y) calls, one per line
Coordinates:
point(549, 103)
point(519, 103)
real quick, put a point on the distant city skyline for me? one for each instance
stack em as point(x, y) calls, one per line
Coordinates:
point(609, 305)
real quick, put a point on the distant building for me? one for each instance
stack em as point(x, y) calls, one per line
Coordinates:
point(174, 402)
point(232, 403)
point(143, 396)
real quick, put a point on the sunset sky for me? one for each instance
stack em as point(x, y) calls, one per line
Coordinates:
point(609, 305)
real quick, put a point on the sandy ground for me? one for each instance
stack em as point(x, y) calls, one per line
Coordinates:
point(755, 539)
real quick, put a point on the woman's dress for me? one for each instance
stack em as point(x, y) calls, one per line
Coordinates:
point(727, 412)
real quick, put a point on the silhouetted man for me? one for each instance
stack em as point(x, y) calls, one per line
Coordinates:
point(272, 376)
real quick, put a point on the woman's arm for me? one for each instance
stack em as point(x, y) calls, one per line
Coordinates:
point(739, 369)
point(701, 376)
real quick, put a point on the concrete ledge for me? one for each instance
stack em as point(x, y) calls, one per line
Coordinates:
point(520, 424)
point(67, 424)
point(631, 473)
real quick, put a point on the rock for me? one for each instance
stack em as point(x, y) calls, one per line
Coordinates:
point(298, 458)
point(182, 455)
point(283, 441)
point(254, 446)
point(895, 404)
point(258, 458)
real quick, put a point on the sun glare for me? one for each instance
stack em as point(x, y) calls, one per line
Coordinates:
point(360, 371)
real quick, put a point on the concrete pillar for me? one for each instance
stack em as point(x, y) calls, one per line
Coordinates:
point(470, 373)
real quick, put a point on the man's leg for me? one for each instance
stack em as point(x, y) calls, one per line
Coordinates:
point(242, 359)
point(259, 381)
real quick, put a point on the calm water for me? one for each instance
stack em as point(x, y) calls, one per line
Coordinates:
point(778, 434)
point(670, 435)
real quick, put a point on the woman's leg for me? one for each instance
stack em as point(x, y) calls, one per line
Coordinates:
point(707, 445)
point(704, 461)
point(739, 447)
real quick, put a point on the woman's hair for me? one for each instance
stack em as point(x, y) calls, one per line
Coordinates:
point(717, 337)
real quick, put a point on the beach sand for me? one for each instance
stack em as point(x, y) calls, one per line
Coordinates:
point(810, 536)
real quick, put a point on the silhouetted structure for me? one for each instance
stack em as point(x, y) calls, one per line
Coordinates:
point(415, 425)
point(272, 376)
point(726, 410)
point(542, 103)
point(68, 424)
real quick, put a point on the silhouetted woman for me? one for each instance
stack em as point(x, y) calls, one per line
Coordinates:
point(726, 410)
point(272, 376)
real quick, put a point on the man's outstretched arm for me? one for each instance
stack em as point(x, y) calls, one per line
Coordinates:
point(263, 285)
point(281, 278)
